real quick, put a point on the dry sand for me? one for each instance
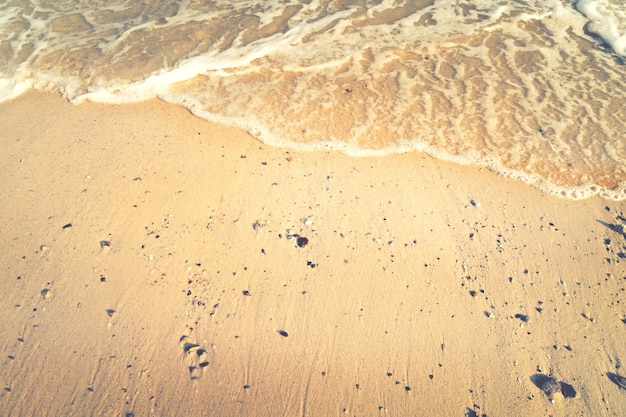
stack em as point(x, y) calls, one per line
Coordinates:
point(147, 270)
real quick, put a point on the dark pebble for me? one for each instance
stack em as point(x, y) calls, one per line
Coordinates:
point(67, 225)
point(246, 293)
point(407, 388)
point(522, 317)
point(302, 241)
point(283, 333)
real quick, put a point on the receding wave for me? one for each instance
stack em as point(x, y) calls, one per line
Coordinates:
point(535, 91)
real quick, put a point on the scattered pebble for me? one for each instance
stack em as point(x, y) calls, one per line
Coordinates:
point(105, 243)
point(246, 293)
point(522, 317)
point(110, 312)
point(191, 347)
point(283, 333)
point(302, 241)
point(46, 294)
point(65, 226)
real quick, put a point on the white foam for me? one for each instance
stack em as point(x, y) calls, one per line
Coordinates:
point(13, 86)
point(604, 23)
point(472, 158)
point(410, 78)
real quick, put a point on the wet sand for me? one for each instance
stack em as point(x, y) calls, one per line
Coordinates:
point(152, 266)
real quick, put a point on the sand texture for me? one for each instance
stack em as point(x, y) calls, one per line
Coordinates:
point(154, 264)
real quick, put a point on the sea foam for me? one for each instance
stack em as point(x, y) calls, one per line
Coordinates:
point(527, 90)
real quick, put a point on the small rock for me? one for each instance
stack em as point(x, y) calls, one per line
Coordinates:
point(283, 333)
point(522, 317)
point(46, 294)
point(302, 241)
point(191, 347)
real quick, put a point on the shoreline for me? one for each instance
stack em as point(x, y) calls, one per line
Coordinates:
point(428, 288)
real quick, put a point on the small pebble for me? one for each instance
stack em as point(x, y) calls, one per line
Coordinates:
point(522, 317)
point(283, 333)
point(46, 294)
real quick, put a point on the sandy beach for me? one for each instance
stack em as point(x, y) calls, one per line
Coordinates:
point(155, 264)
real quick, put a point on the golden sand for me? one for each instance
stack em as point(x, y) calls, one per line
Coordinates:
point(424, 288)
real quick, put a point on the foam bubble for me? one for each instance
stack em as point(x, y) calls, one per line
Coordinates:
point(605, 22)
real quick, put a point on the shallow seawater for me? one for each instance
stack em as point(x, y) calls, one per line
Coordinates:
point(534, 90)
